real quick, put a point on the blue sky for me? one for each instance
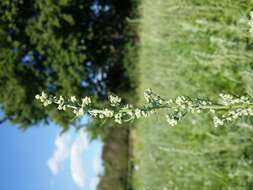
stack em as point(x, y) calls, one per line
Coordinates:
point(25, 157)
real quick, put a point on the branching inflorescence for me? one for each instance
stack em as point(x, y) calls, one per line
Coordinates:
point(229, 108)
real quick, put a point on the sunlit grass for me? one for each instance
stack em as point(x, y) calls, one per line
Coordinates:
point(196, 48)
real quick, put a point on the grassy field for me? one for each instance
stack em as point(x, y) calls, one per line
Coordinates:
point(197, 48)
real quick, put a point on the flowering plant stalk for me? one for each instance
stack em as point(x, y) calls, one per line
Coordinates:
point(229, 108)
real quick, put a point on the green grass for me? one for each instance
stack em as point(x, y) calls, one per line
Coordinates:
point(195, 48)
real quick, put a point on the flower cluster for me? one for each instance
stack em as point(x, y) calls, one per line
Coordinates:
point(183, 105)
point(114, 100)
point(44, 99)
point(237, 107)
point(78, 108)
point(228, 99)
point(228, 108)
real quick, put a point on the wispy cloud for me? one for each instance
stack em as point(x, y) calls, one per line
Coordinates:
point(73, 149)
point(60, 154)
point(94, 183)
point(97, 164)
point(76, 159)
point(98, 169)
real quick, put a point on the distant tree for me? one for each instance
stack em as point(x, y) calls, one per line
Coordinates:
point(65, 47)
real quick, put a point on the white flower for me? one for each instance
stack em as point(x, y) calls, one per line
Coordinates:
point(78, 112)
point(172, 121)
point(181, 101)
point(170, 101)
point(138, 113)
point(37, 96)
point(147, 94)
point(108, 113)
point(114, 100)
point(217, 121)
point(43, 95)
point(86, 101)
point(73, 99)
point(61, 107)
point(118, 118)
point(145, 114)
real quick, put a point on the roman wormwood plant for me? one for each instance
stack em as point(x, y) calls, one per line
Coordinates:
point(227, 109)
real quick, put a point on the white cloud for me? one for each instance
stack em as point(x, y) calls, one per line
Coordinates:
point(74, 152)
point(97, 164)
point(94, 182)
point(76, 159)
point(60, 154)
point(98, 168)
